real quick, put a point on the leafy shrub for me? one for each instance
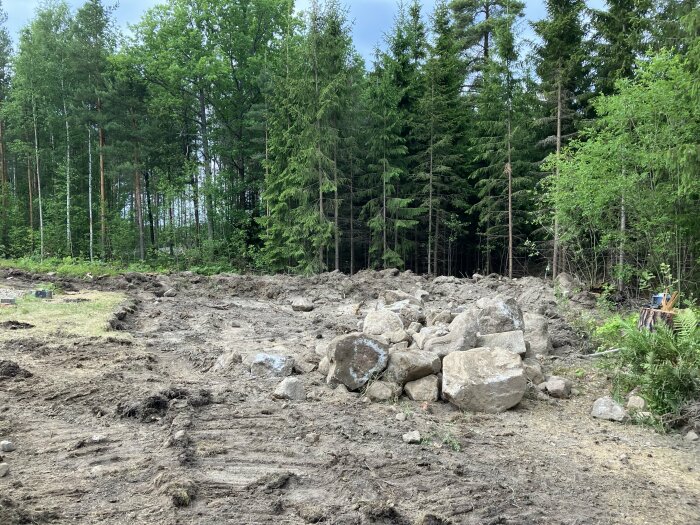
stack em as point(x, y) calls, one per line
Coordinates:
point(663, 365)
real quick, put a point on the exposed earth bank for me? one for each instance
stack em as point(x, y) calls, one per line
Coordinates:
point(166, 420)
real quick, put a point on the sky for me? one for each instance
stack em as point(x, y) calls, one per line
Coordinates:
point(372, 18)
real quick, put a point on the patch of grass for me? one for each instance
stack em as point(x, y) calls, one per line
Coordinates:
point(84, 314)
point(664, 366)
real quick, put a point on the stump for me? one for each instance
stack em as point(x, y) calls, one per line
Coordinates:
point(650, 317)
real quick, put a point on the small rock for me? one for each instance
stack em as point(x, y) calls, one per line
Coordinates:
point(424, 389)
point(324, 365)
point(556, 386)
point(302, 304)
point(498, 315)
point(170, 292)
point(533, 371)
point(636, 404)
point(461, 336)
point(380, 391)
point(290, 388)
point(271, 365)
point(691, 436)
point(7, 446)
point(400, 416)
point(607, 408)
point(4, 469)
point(411, 438)
point(311, 438)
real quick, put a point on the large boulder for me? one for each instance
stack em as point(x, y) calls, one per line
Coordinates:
point(385, 324)
point(424, 389)
point(405, 366)
point(499, 315)
point(513, 341)
point(537, 334)
point(462, 336)
point(355, 358)
point(483, 379)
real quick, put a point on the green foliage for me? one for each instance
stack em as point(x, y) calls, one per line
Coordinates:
point(664, 365)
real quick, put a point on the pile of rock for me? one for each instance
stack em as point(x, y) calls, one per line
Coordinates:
point(479, 357)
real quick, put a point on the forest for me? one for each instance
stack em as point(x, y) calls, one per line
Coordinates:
point(250, 135)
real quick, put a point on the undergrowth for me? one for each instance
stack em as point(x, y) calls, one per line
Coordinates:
point(663, 366)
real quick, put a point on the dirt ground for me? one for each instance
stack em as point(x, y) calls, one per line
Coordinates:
point(160, 422)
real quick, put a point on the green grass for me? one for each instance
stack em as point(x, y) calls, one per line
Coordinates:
point(85, 314)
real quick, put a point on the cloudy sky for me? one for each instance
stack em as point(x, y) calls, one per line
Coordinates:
point(371, 17)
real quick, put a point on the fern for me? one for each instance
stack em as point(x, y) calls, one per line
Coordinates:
point(686, 323)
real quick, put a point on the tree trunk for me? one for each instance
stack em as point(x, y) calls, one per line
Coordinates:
point(436, 240)
point(90, 220)
point(30, 189)
point(430, 188)
point(4, 183)
point(147, 179)
point(509, 171)
point(335, 218)
point(352, 219)
point(208, 204)
point(555, 255)
point(103, 193)
point(621, 254)
point(138, 203)
point(38, 180)
point(69, 243)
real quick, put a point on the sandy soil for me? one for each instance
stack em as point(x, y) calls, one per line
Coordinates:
point(160, 422)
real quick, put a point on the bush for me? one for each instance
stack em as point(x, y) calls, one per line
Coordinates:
point(663, 365)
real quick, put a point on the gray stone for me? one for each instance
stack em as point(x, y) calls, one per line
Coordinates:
point(324, 366)
point(691, 436)
point(421, 295)
point(170, 292)
point(436, 317)
point(355, 359)
point(477, 277)
point(415, 327)
point(4, 469)
point(424, 389)
point(498, 315)
point(513, 341)
point(607, 408)
point(7, 446)
point(412, 438)
point(302, 304)
point(400, 416)
point(271, 365)
point(408, 312)
point(537, 334)
point(567, 285)
point(556, 386)
point(636, 403)
point(290, 388)
point(483, 379)
point(385, 324)
point(409, 365)
point(428, 332)
point(533, 371)
point(462, 336)
point(395, 296)
point(379, 391)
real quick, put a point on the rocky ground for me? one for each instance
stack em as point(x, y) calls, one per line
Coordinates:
point(174, 417)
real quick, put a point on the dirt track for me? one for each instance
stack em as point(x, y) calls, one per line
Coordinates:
point(98, 424)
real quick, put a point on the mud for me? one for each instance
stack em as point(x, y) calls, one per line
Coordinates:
point(169, 427)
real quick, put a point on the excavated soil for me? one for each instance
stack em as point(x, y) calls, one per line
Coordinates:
point(161, 422)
